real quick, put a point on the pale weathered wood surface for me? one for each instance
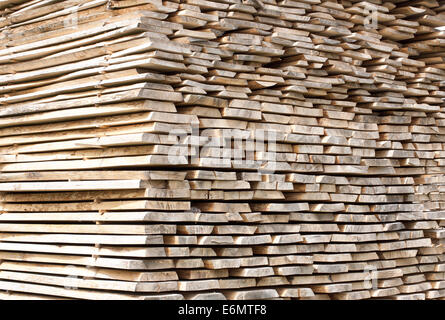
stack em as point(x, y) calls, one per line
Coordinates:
point(222, 149)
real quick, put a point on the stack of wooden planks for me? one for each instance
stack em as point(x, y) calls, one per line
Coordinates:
point(222, 149)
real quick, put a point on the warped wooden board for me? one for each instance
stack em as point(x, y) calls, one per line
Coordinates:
point(123, 216)
point(150, 193)
point(93, 175)
point(117, 162)
point(113, 263)
point(58, 44)
point(88, 112)
point(139, 131)
point(91, 272)
point(79, 239)
point(99, 152)
point(151, 252)
point(72, 185)
point(74, 282)
point(85, 228)
point(25, 296)
point(78, 293)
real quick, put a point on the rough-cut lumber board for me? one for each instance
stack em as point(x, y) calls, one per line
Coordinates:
point(214, 150)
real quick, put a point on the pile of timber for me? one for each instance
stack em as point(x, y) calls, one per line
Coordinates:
point(222, 149)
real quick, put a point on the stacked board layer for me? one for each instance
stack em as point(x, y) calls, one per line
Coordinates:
point(229, 149)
